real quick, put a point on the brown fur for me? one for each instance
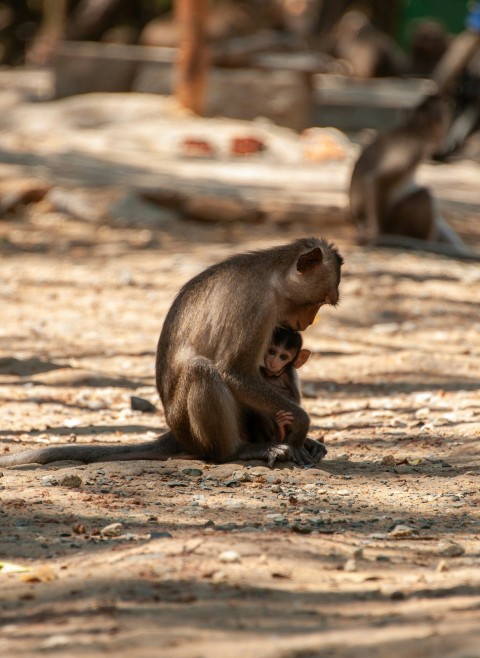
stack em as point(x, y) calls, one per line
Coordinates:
point(209, 356)
point(385, 201)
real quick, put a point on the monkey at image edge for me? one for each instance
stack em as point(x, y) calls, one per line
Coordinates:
point(387, 206)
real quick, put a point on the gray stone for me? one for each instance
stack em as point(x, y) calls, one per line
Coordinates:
point(132, 211)
point(140, 404)
point(450, 549)
point(71, 481)
point(210, 208)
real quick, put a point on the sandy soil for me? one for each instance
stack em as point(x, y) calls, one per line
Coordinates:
point(374, 552)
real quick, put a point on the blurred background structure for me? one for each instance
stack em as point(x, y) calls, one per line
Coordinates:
point(140, 142)
point(23, 23)
point(141, 80)
point(299, 62)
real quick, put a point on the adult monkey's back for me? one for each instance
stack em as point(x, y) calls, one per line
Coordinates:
point(209, 355)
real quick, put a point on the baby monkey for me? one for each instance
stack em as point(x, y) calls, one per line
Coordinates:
point(282, 359)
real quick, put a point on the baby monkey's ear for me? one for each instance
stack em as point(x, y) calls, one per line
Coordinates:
point(302, 358)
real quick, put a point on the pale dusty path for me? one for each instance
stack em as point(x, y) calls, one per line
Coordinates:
point(323, 568)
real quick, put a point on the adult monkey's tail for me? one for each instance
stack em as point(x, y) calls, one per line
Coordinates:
point(161, 449)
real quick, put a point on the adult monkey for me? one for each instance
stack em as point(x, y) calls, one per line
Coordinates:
point(209, 355)
point(388, 207)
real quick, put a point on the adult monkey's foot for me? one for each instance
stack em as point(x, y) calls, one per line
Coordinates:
point(315, 448)
point(279, 452)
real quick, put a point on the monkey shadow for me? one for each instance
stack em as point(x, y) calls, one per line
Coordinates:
point(264, 600)
point(184, 606)
point(81, 168)
point(9, 436)
point(77, 379)
point(329, 388)
point(49, 373)
point(331, 467)
point(64, 530)
point(10, 365)
point(430, 468)
point(34, 399)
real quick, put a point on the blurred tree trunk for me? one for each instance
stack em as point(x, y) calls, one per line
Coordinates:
point(50, 34)
point(192, 61)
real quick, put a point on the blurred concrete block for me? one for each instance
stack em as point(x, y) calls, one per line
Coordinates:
point(284, 97)
point(380, 103)
point(85, 67)
point(154, 78)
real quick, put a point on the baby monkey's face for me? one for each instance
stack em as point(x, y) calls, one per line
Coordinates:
point(276, 358)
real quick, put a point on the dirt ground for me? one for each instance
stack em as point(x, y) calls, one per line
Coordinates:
point(373, 552)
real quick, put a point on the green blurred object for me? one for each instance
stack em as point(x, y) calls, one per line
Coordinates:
point(450, 13)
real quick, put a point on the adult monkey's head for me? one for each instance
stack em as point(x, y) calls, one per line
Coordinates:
point(312, 281)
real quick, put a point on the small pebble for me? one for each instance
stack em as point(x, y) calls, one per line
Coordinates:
point(402, 531)
point(56, 642)
point(242, 476)
point(160, 535)
point(397, 596)
point(71, 481)
point(192, 471)
point(218, 576)
point(442, 566)
point(50, 481)
point(388, 460)
point(229, 557)
point(112, 530)
point(450, 549)
point(140, 404)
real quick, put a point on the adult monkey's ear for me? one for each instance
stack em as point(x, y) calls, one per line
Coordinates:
point(309, 260)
